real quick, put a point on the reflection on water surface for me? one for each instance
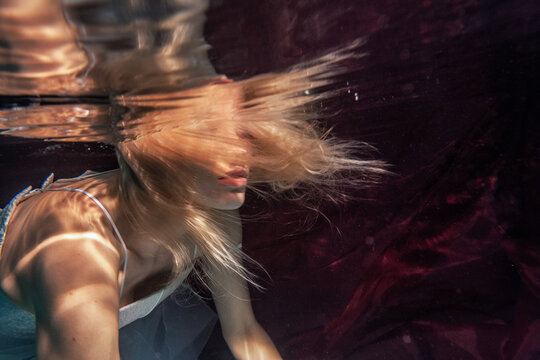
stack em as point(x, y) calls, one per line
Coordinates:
point(101, 47)
point(98, 66)
point(69, 62)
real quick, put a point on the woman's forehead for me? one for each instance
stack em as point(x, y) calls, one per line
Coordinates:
point(196, 108)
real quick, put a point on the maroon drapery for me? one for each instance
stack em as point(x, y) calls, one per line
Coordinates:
point(441, 261)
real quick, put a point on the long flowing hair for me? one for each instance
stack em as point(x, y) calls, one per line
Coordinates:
point(290, 153)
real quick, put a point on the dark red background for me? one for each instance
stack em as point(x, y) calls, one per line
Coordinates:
point(440, 261)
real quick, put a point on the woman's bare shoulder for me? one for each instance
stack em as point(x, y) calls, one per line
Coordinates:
point(51, 228)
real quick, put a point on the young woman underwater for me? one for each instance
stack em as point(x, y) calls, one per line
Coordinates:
point(93, 266)
point(63, 258)
point(81, 253)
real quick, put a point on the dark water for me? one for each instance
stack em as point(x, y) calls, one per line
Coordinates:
point(441, 261)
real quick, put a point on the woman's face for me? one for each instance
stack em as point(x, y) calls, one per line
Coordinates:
point(221, 183)
point(205, 142)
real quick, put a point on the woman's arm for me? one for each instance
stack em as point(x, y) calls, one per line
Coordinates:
point(71, 280)
point(245, 337)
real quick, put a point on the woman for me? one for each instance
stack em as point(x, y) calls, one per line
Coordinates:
point(64, 261)
point(89, 255)
point(79, 252)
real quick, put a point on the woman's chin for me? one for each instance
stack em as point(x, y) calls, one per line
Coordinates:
point(230, 205)
point(232, 201)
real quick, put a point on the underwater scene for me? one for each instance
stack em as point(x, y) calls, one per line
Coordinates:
point(277, 179)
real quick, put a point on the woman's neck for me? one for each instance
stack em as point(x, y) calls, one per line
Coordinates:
point(146, 220)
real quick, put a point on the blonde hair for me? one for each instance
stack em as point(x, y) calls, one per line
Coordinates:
point(289, 151)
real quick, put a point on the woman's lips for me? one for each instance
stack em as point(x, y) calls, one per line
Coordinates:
point(234, 182)
point(235, 178)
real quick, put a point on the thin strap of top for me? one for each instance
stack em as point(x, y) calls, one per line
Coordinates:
point(115, 229)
